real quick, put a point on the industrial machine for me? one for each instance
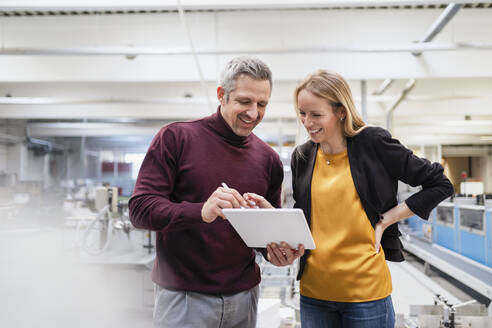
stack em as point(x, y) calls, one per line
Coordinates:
point(460, 226)
point(459, 244)
point(112, 218)
point(445, 226)
point(444, 314)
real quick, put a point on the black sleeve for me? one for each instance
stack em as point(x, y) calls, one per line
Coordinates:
point(402, 164)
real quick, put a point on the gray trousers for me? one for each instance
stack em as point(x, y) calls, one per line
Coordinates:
point(181, 309)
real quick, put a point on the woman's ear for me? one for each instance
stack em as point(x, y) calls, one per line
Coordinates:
point(342, 113)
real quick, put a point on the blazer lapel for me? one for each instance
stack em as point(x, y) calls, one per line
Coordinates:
point(305, 180)
point(358, 178)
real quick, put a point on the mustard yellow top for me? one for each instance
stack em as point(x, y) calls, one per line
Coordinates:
point(344, 267)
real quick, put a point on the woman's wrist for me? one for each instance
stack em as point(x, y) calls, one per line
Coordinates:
point(384, 220)
point(394, 215)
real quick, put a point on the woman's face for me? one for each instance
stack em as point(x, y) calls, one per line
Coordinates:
point(318, 117)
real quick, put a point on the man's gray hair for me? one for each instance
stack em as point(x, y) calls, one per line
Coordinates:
point(250, 66)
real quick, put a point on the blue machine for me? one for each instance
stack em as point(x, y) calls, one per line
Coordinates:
point(472, 235)
point(445, 226)
point(460, 227)
point(488, 224)
point(415, 223)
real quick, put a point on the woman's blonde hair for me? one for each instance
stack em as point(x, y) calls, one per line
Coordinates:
point(333, 88)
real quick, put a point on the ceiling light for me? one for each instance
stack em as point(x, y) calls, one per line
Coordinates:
point(468, 123)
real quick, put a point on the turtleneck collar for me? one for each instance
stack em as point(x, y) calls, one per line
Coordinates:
point(217, 123)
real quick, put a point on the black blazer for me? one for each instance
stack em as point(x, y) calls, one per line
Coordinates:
point(377, 162)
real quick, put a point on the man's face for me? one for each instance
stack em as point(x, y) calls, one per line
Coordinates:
point(246, 105)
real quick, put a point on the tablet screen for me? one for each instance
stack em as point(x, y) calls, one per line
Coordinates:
point(259, 227)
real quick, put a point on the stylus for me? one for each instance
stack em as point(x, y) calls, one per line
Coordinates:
point(227, 188)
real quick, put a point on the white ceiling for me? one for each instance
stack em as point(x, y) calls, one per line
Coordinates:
point(73, 67)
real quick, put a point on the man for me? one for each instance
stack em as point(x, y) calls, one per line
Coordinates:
point(205, 275)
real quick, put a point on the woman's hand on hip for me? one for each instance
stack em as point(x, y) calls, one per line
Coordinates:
point(394, 215)
point(378, 230)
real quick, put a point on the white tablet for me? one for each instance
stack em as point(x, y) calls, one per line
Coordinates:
point(259, 227)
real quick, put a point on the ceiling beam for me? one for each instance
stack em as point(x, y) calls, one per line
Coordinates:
point(355, 66)
point(135, 5)
point(132, 52)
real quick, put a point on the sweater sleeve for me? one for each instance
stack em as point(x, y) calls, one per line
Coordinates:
point(151, 206)
point(274, 191)
point(402, 164)
point(275, 187)
point(293, 169)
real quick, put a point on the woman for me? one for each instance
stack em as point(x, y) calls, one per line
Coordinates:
point(345, 180)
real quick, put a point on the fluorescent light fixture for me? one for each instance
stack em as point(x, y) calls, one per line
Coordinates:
point(435, 137)
point(468, 123)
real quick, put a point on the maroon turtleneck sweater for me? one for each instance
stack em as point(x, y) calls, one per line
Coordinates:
point(185, 163)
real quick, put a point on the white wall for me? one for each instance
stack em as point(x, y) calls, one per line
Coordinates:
point(479, 168)
point(3, 158)
point(32, 166)
point(24, 163)
point(75, 166)
point(3, 153)
point(488, 173)
point(14, 160)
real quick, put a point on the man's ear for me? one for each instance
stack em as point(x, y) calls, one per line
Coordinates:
point(221, 95)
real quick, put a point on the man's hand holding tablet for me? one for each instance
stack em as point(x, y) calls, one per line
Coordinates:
point(279, 254)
